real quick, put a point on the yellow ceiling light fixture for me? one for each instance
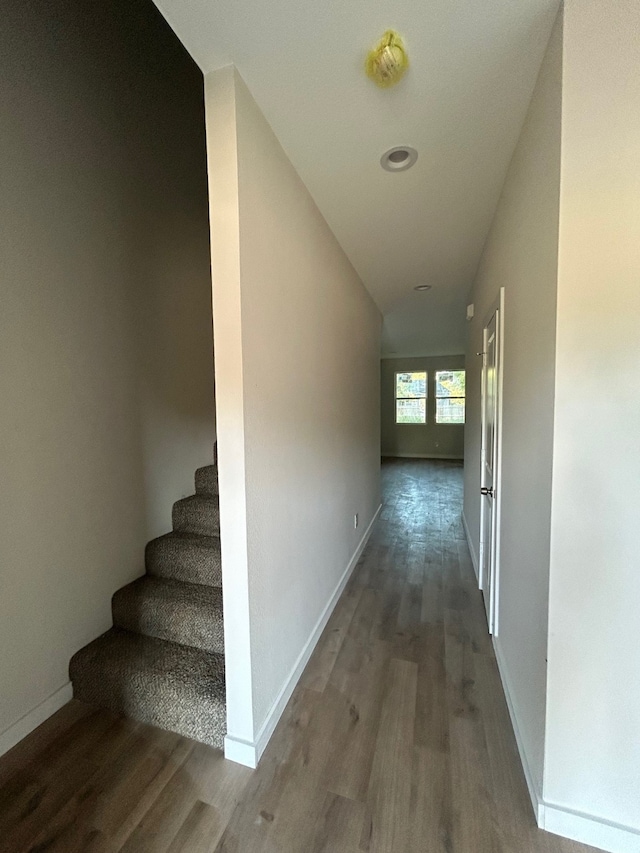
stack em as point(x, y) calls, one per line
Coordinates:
point(388, 61)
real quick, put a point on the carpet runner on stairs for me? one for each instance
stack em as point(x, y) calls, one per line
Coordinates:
point(162, 663)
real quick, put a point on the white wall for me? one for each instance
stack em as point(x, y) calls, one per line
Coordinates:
point(593, 719)
point(431, 440)
point(297, 377)
point(105, 327)
point(521, 255)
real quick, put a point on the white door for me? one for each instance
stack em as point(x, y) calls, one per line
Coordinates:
point(489, 475)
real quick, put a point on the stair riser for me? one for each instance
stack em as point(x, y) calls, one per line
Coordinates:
point(184, 561)
point(157, 703)
point(178, 624)
point(193, 518)
point(207, 480)
point(162, 684)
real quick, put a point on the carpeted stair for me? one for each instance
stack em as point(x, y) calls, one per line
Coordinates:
point(162, 663)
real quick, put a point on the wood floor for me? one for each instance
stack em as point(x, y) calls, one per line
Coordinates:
point(397, 740)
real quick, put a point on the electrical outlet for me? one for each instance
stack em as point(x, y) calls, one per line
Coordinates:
point(355, 521)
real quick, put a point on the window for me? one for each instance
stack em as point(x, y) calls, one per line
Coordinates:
point(411, 398)
point(450, 396)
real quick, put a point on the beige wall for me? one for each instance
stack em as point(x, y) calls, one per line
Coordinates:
point(564, 244)
point(593, 720)
point(430, 440)
point(521, 256)
point(105, 328)
point(297, 364)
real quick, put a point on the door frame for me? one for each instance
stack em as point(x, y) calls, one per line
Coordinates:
point(494, 593)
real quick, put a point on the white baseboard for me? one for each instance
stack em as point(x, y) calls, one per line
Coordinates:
point(240, 751)
point(421, 456)
point(588, 829)
point(32, 719)
point(584, 828)
point(534, 792)
point(249, 754)
point(472, 550)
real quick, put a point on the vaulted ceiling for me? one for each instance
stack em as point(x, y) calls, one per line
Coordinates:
point(461, 105)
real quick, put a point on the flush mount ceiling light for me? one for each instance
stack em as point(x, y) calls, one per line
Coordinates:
point(399, 159)
point(387, 62)
point(422, 287)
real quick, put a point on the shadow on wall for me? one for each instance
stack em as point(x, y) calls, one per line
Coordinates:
point(107, 381)
point(169, 262)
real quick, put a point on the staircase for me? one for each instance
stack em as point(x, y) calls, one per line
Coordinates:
point(162, 662)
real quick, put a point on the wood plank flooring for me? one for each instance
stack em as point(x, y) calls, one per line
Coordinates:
point(397, 739)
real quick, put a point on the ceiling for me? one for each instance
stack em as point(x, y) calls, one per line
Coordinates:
point(461, 105)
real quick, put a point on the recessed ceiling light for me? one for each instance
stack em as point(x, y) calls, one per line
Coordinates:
point(422, 287)
point(399, 159)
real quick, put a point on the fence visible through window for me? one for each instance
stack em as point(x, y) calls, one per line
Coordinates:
point(411, 397)
point(450, 396)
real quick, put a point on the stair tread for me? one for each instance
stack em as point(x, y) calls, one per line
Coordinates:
point(197, 500)
point(203, 671)
point(201, 539)
point(173, 591)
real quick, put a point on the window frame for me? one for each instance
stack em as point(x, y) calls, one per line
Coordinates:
point(437, 396)
point(396, 398)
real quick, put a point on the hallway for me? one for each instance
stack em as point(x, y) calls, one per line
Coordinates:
point(397, 739)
